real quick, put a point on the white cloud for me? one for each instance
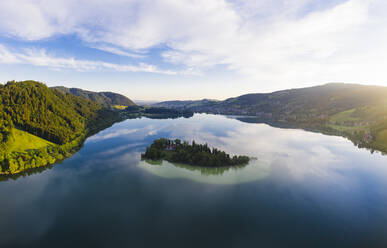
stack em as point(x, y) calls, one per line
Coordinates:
point(7, 57)
point(26, 20)
point(118, 51)
point(282, 42)
point(41, 58)
point(118, 133)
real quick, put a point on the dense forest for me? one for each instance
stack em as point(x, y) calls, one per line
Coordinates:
point(107, 99)
point(193, 154)
point(205, 105)
point(31, 110)
point(154, 112)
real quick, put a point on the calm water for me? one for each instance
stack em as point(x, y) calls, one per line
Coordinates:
point(304, 190)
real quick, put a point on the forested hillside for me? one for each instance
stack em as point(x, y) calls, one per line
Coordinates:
point(318, 100)
point(63, 120)
point(358, 112)
point(154, 112)
point(106, 99)
point(199, 105)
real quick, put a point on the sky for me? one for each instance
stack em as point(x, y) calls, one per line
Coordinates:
point(193, 49)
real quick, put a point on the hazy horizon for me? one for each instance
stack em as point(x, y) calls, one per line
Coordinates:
point(188, 50)
point(181, 98)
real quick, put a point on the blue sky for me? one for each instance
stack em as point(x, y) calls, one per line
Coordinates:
point(193, 49)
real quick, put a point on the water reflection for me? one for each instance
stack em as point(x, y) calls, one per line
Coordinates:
point(26, 173)
point(304, 190)
point(221, 175)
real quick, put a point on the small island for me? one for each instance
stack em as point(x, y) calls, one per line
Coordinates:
point(176, 151)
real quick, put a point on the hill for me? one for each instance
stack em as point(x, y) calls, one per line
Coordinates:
point(358, 112)
point(154, 112)
point(196, 106)
point(107, 99)
point(327, 98)
point(318, 100)
point(39, 125)
point(145, 102)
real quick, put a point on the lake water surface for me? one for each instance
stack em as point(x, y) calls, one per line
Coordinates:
point(304, 190)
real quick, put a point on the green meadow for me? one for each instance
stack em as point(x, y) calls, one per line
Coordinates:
point(25, 141)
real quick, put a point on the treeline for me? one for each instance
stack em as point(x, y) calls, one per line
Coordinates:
point(193, 154)
point(63, 119)
point(106, 99)
point(46, 113)
point(6, 126)
point(154, 112)
point(15, 162)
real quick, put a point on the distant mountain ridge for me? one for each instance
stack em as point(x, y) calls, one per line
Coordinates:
point(145, 102)
point(323, 99)
point(103, 98)
point(317, 100)
point(192, 105)
point(358, 112)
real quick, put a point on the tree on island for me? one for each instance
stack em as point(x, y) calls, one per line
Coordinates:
point(193, 154)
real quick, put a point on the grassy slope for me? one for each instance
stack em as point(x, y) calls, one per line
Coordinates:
point(120, 107)
point(354, 123)
point(344, 116)
point(357, 112)
point(26, 141)
point(347, 121)
point(50, 115)
point(380, 141)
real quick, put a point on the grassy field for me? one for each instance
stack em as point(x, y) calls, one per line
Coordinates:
point(381, 141)
point(346, 121)
point(120, 107)
point(345, 116)
point(25, 141)
point(346, 129)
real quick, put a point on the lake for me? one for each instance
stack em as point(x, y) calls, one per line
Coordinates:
point(304, 189)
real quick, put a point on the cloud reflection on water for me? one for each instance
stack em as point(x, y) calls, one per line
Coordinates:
point(299, 176)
